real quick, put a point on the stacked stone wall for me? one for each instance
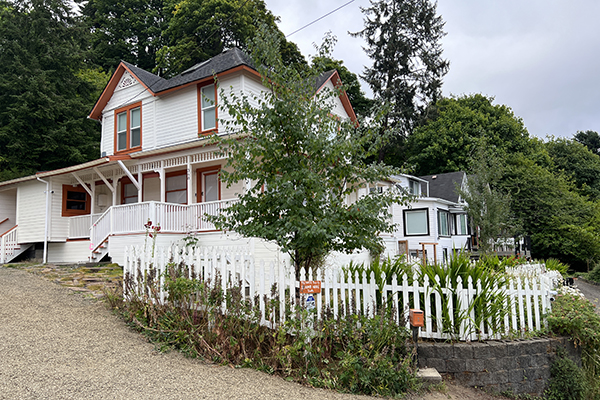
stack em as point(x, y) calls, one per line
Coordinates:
point(521, 367)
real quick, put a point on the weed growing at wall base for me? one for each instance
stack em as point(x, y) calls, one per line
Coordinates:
point(357, 354)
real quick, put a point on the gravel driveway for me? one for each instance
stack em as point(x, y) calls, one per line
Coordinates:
point(56, 344)
point(590, 291)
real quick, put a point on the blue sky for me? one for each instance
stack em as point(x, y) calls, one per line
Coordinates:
point(541, 58)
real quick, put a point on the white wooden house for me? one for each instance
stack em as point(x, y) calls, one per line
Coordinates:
point(157, 164)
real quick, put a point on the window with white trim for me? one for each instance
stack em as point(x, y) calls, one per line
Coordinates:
point(414, 187)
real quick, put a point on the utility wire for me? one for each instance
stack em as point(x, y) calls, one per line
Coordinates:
point(320, 18)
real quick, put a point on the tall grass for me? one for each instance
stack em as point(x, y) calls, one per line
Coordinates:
point(486, 309)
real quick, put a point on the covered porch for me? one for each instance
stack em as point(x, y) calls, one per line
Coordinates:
point(173, 190)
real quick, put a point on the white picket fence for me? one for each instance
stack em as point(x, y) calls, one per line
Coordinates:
point(527, 300)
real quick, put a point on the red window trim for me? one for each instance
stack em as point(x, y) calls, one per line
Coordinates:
point(72, 213)
point(126, 181)
point(200, 172)
point(216, 128)
point(176, 173)
point(128, 148)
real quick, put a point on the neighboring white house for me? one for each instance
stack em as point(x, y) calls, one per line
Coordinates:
point(157, 164)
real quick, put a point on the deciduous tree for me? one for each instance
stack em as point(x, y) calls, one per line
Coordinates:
point(200, 29)
point(302, 163)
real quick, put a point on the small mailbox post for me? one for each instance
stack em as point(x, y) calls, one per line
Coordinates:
point(416, 321)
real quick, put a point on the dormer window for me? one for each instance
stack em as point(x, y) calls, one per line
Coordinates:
point(128, 128)
point(414, 187)
point(208, 109)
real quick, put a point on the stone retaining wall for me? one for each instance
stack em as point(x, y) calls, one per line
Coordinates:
point(522, 366)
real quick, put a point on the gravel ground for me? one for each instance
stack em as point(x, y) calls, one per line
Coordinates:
point(57, 344)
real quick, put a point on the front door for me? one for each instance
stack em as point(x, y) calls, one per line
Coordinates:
point(209, 185)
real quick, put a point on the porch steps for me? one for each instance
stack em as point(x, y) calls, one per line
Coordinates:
point(99, 252)
point(18, 250)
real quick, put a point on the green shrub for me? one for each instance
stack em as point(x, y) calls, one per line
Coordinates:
point(566, 380)
point(489, 306)
point(594, 274)
point(576, 317)
point(552, 264)
point(355, 353)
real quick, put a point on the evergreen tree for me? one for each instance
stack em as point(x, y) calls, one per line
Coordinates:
point(403, 41)
point(44, 97)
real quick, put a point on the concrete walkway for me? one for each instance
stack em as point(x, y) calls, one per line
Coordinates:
point(56, 344)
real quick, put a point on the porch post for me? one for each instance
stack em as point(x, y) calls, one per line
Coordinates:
point(163, 183)
point(190, 192)
point(92, 202)
point(141, 187)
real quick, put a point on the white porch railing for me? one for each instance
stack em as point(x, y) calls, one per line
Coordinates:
point(8, 245)
point(174, 218)
point(79, 226)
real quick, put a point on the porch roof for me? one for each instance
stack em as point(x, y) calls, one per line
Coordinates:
point(66, 170)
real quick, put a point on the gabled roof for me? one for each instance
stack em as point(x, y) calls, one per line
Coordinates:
point(443, 186)
point(155, 85)
point(223, 62)
point(228, 61)
point(334, 77)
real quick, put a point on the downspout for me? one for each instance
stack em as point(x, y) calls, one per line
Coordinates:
point(47, 216)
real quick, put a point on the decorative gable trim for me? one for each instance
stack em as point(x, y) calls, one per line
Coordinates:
point(114, 84)
point(127, 80)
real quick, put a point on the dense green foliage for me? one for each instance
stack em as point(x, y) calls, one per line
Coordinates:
point(457, 128)
point(589, 139)
point(169, 36)
point(353, 354)
point(130, 30)
point(576, 317)
point(566, 380)
point(551, 187)
point(46, 90)
point(198, 30)
point(403, 41)
point(302, 162)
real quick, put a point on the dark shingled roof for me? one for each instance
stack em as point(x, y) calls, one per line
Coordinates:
point(443, 186)
point(225, 61)
point(321, 79)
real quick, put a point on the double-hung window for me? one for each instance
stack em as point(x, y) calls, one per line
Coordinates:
point(414, 187)
point(461, 224)
point(444, 223)
point(128, 128)
point(129, 193)
point(208, 108)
